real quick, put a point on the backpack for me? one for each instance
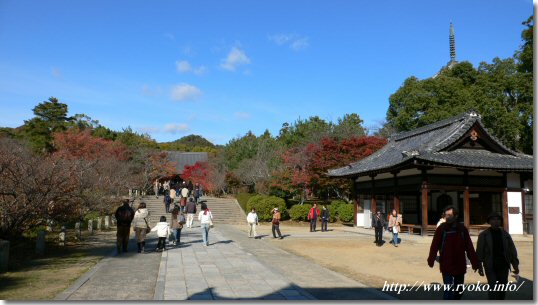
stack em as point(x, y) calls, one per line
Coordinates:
point(182, 220)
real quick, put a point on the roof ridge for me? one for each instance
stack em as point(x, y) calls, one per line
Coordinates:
point(427, 128)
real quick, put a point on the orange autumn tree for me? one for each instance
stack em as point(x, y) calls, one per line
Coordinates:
point(305, 167)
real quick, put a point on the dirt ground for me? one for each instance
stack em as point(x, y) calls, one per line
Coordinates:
point(43, 278)
point(356, 256)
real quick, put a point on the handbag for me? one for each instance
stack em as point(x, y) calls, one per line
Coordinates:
point(148, 229)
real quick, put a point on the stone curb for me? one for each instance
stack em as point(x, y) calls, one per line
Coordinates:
point(161, 277)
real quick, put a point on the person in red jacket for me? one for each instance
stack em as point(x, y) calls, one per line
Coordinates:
point(453, 242)
point(313, 217)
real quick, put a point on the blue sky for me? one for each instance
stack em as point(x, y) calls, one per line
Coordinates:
point(221, 68)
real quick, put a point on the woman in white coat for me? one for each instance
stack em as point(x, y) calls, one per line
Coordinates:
point(206, 221)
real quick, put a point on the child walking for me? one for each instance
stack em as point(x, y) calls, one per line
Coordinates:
point(163, 231)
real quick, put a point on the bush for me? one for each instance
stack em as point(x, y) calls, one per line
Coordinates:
point(243, 198)
point(333, 212)
point(264, 204)
point(345, 212)
point(299, 212)
point(337, 203)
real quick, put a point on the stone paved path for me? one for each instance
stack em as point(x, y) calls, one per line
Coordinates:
point(233, 266)
point(237, 267)
point(129, 276)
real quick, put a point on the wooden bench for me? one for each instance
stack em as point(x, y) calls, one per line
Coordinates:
point(411, 229)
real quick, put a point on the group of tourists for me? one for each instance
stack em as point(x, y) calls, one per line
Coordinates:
point(170, 230)
point(393, 225)
point(451, 246)
point(252, 221)
point(314, 214)
point(184, 191)
point(495, 253)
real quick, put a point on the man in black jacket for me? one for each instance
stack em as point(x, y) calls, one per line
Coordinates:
point(378, 222)
point(124, 217)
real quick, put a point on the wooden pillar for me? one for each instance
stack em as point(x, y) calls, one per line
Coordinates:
point(466, 215)
point(505, 201)
point(424, 207)
point(505, 210)
point(373, 207)
point(355, 200)
point(396, 195)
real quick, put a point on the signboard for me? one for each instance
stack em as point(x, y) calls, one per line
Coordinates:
point(513, 210)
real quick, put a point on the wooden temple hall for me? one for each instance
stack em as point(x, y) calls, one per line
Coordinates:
point(451, 162)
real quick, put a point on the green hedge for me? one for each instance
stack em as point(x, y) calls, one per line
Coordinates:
point(333, 212)
point(337, 203)
point(265, 204)
point(299, 212)
point(243, 198)
point(345, 212)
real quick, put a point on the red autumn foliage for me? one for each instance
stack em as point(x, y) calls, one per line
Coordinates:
point(307, 166)
point(80, 144)
point(200, 172)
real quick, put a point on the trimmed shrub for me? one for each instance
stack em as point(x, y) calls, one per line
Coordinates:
point(337, 203)
point(264, 204)
point(299, 212)
point(345, 212)
point(333, 212)
point(243, 198)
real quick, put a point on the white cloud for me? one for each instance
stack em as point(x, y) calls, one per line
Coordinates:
point(184, 66)
point(295, 42)
point(235, 58)
point(185, 92)
point(242, 115)
point(280, 39)
point(300, 44)
point(176, 128)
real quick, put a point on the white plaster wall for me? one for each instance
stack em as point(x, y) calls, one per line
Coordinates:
point(367, 217)
point(515, 221)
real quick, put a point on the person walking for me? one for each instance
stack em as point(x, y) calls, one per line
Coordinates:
point(275, 223)
point(167, 202)
point(197, 192)
point(175, 226)
point(325, 216)
point(496, 251)
point(191, 211)
point(252, 220)
point(190, 187)
point(173, 195)
point(184, 195)
point(141, 224)
point(313, 215)
point(124, 216)
point(206, 221)
point(395, 221)
point(453, 242)
point(156, 188)
point(163, 231)
point(378, 222)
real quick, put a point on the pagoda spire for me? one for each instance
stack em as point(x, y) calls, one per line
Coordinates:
point(452, 44)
